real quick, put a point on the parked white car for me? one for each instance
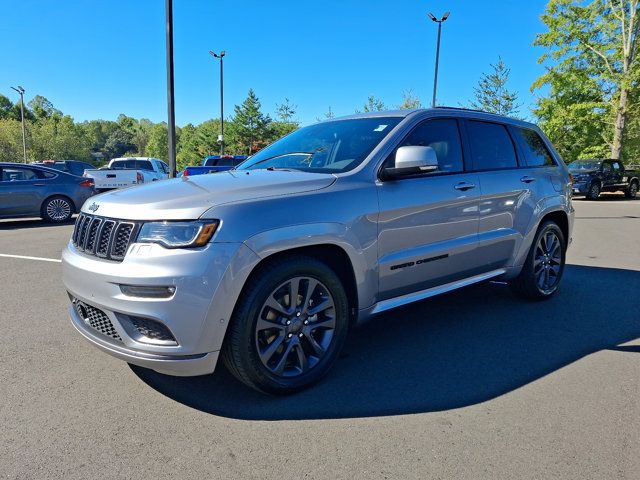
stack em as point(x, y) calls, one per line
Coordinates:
point(125, 172)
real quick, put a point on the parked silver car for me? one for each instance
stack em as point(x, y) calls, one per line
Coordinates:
point(268, 265)
point(35, 191)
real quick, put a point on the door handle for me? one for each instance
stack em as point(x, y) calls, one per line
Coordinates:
point(38, 184)
point(527, 179)
point(464, 186)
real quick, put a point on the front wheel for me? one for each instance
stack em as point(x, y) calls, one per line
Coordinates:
point(288, 327)
point(543, 268)
point(57, 209)
point(632, 191)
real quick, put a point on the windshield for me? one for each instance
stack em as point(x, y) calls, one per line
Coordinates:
point(585, 165)
point(328, 147)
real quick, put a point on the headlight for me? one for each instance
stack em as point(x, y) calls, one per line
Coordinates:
point(178, 234)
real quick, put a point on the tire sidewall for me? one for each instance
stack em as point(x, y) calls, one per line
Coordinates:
point(591, 195)
point(46, 203)
point(544, 228)
point(246, 317)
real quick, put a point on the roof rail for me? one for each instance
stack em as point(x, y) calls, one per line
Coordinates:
point(466, 109)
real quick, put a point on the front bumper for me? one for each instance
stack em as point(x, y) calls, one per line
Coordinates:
point(207, 282)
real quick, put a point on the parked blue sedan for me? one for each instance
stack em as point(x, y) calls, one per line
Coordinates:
point(35, 191)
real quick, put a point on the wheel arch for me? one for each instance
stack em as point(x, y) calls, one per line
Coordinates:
point(74, 208)
point(333, 255)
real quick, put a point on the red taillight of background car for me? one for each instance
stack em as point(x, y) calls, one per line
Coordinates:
point(185, 173)
point(139, 177)
point(87, 183)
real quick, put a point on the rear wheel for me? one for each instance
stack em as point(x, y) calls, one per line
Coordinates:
point(594, 191)
point(288, 327)
point(57, 209)
point(543, 268)
point(632, 191)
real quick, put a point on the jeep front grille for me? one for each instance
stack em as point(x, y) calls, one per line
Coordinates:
point(104, 237)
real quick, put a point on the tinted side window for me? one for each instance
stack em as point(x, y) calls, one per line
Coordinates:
point(443, 136)
point(535, 151)
point(606, 167)
point(143, 165)
point(12, 174)
point(616, 166)
point(211, 162)
point(491, 146)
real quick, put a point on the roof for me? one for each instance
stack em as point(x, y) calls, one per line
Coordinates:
point(458, 111)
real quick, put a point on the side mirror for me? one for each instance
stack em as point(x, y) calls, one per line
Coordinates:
point(412, 160)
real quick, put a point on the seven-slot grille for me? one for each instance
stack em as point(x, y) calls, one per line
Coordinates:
point(104, 237)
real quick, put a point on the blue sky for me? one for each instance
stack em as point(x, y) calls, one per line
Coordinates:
point(96, 59)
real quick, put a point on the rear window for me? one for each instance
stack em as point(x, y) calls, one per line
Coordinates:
point(132, 164)
point(535, 151)
point(491, 146)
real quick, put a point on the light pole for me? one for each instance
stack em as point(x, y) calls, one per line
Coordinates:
point(221, 138)
point(435, 77)
point(21, 91)
point(171, 120)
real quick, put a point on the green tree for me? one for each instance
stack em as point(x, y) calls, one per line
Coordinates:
point(5, 107)
point(42, 108)
point(373, 105)
point(491, 93)
point(58, 138)
point(409, 101)
point(10, 140)
point(285, 122)
point(249, 126)
point(187, 147)
point(158, 142)
point(596, 42)
point(118, 143)
point(328, 115)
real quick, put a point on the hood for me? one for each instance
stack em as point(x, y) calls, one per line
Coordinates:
point(187, 198)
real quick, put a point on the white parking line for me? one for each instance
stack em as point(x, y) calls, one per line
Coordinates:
point(42, 259)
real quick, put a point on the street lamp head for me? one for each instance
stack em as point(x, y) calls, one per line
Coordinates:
point(222, 53)
point(432, 17)
point(19, 89)
point(445, 16)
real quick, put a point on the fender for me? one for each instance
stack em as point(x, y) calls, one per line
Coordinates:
point(362, 257)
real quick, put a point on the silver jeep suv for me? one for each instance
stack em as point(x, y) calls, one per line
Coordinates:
point(269, 265)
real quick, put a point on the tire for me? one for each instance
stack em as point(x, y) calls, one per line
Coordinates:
point(528, 283)
point(594, 191)
point(57, 209)
point(272, 349)
point(632, 191)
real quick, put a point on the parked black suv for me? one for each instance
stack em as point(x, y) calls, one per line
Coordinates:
point(591, 177)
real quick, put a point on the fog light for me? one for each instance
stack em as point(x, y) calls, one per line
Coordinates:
point(147, 291)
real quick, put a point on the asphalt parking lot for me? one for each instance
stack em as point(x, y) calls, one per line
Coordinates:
point(473, 384)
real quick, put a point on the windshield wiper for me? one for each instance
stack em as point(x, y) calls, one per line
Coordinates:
point(283, 169)
point(310, 154)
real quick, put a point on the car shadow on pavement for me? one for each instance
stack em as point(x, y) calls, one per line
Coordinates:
point(452, 351)
point(16, 224)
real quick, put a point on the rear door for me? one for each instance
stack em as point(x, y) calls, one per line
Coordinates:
point(428, 224)
point(608, 175)
point(617, 174)
point(508, 192)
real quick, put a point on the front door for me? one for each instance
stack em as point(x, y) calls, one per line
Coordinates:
point(21, 191)
point(428, 225)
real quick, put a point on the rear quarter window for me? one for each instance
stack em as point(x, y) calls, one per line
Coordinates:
point(536, 153)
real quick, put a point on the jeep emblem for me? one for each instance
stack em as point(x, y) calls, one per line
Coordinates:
point(93, 207)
